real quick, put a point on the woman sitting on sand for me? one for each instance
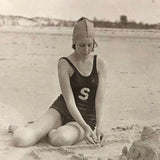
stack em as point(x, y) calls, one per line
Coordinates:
point(78, 111)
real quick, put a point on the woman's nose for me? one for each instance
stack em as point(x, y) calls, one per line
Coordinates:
point(86, 48)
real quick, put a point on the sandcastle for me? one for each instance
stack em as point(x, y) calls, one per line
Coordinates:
point(145, 148)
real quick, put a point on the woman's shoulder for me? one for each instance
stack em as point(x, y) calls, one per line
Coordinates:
point(101, 61)
point(62, 61)
point(64, 66)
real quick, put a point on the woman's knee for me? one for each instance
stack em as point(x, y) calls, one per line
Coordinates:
point(24, 137)
point(62, 137)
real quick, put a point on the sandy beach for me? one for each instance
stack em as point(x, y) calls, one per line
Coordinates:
point(29, 85)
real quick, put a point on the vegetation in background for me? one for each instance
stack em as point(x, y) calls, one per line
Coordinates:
point(125, 23)
point(41, 22)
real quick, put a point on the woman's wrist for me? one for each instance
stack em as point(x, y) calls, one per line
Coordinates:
point(86, 126)
point(99, 126)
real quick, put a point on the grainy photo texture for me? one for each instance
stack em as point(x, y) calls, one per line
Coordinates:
point(79, 79)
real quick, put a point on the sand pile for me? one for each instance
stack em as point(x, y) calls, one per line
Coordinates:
point(145, 148)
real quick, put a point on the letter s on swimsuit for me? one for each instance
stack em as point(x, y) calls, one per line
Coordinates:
point(84, 94)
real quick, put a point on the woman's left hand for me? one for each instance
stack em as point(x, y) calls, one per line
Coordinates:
point(101, 137)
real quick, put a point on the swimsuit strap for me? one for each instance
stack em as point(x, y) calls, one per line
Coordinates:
point(71, 64)
point(95, 63)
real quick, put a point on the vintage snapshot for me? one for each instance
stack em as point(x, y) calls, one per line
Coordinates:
point(79, 80)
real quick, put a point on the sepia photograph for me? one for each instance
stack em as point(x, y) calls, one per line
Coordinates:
point(79, 79)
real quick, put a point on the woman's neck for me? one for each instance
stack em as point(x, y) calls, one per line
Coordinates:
point(83, 58)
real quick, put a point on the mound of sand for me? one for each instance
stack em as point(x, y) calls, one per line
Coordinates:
point(147, 147)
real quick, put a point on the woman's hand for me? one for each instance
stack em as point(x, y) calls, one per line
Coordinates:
point(90, 135)
point(101, 137)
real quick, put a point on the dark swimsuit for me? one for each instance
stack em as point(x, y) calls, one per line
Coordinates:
point(84, 90)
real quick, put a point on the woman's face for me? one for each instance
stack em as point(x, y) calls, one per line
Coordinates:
point(84, 46)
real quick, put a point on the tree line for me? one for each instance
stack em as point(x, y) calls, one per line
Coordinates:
point(124, 23)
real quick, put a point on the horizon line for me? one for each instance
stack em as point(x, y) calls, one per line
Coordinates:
point(102, 19)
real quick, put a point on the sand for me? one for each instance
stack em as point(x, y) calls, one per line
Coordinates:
point(29, 85)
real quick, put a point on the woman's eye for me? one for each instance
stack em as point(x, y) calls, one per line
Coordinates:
point(82, 45)
point(89, 45)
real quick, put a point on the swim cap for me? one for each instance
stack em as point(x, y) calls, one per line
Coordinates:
point(83, 29)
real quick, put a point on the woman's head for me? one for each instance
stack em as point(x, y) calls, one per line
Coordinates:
point(83, 30)
point(84, 46)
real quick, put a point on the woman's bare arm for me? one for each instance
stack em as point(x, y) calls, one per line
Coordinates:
point(99, 102)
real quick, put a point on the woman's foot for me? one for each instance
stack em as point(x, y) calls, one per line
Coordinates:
point(12, 128)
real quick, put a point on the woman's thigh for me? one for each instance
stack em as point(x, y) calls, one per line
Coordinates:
point(68, 134)
point(48, 121)
point(31, 134)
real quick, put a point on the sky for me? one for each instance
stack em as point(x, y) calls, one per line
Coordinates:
point(147, 11)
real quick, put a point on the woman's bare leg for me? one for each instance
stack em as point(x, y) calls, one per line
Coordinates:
point(31, 134)
point(68, 134)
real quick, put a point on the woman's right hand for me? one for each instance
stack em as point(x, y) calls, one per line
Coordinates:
point(90, 135)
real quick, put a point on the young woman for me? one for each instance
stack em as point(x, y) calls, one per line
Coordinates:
point(78, 111)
